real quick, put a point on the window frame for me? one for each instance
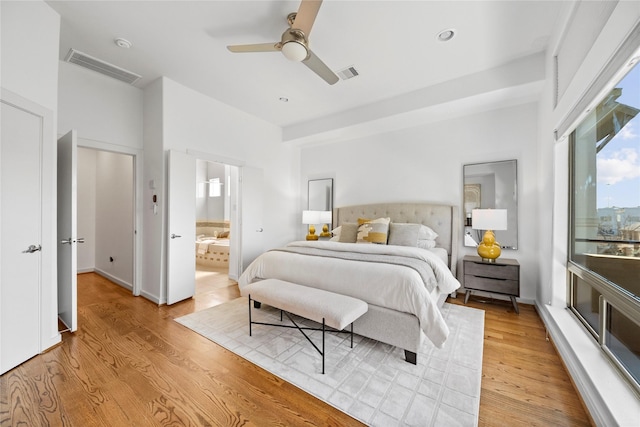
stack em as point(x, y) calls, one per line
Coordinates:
point(610, 293)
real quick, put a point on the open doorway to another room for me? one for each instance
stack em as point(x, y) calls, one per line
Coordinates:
point(106, 216)
point(215, 184)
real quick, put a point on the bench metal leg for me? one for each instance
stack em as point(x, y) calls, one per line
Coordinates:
point(250, 322)
point(300, 328)
point(323, 345)
point(351, 334)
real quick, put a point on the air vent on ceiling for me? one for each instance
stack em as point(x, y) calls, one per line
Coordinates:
point(95, 64)
point(347, 73)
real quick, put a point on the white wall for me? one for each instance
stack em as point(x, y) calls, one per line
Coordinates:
point(178, 118)
point(100, 108)
point(30, 32)
point(87, 209)
point(425, 163)
point(30, 37)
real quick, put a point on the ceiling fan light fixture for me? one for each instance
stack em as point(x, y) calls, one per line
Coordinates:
point(295, 51)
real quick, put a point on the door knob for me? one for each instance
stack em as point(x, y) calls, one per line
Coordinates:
point(80, 240)
point(31, 249)
point(68, 240)
point(259, 230)
point(175, 236)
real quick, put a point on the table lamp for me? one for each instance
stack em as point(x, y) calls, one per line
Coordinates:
point(311, 218)
point(489, 220)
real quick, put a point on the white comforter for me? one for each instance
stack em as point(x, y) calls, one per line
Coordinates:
point(387, 285)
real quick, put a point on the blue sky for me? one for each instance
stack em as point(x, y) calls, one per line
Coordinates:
point(619, 162)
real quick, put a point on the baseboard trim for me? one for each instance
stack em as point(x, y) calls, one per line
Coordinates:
point(114, 279)
point(151, 297)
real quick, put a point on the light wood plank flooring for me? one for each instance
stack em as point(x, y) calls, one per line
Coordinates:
point(129, 364)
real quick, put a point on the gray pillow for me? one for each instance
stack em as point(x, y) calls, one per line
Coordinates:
point(403, 234)
point(349, 233)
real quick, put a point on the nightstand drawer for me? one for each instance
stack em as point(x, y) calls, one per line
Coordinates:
point(502, 286)
point(496, 271)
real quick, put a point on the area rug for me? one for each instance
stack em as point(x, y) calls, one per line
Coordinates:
point(371, 382)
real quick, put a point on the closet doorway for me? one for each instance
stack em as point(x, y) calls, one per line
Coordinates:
point(106, 215)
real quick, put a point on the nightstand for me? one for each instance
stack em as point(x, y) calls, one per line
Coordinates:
point(500, 277)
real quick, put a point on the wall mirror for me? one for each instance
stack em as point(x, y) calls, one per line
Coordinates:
point(492, 185)
point(321, 195)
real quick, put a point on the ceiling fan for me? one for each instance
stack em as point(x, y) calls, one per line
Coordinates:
point(294, 43)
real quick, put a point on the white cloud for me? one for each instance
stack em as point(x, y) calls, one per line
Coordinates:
point(627, 132)
point(621, 165)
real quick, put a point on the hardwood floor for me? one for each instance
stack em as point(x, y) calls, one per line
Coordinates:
point(129, 364)
point(523, 379)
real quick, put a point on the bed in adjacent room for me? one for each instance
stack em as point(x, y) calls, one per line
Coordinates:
point(400, 258)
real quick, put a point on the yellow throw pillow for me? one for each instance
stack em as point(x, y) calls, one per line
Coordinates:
point(373, 231)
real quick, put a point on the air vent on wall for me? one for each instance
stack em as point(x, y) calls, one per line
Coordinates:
point(347, 73)
point(88, 61)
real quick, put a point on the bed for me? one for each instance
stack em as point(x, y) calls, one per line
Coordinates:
point(403, 314)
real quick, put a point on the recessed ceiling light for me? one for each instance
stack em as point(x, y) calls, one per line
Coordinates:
point(125, 44)
point(284, 99)
point(446, 35)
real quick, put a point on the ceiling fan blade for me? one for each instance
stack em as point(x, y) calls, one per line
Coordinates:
point(306, 15)
point(260, 47)
point(317, 66)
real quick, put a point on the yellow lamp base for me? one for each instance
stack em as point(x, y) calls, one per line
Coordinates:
point(312, 233)
point(325, 231)
point(489, 250)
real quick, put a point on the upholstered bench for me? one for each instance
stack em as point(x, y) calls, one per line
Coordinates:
point(327, 308)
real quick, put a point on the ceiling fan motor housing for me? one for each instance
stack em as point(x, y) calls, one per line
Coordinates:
point(294, 45)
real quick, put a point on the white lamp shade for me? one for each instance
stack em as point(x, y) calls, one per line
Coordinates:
point(489, 219)
point(311, 217)
point(325, 217)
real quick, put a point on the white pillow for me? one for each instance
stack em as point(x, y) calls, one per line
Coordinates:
point(403, 234)
point(426, 233)
point(426, 244)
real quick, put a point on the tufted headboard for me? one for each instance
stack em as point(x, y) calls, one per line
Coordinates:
point(443, 219)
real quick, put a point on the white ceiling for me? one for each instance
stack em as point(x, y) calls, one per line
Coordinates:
point(392, 44)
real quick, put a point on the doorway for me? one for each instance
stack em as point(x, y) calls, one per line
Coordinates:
point(215, 225)
point(106, 215)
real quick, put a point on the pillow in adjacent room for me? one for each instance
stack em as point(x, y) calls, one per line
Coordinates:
point(348, 232)
point(374, 231)
point(401, 234)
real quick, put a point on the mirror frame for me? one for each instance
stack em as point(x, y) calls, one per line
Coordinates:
point(507, 199)
point(320, 195)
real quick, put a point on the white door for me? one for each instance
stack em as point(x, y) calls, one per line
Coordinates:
point(251, 214)
point(67, 229)
point(181, 253)
point(21, 235)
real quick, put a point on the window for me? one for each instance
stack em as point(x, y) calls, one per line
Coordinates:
point(604, 264)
